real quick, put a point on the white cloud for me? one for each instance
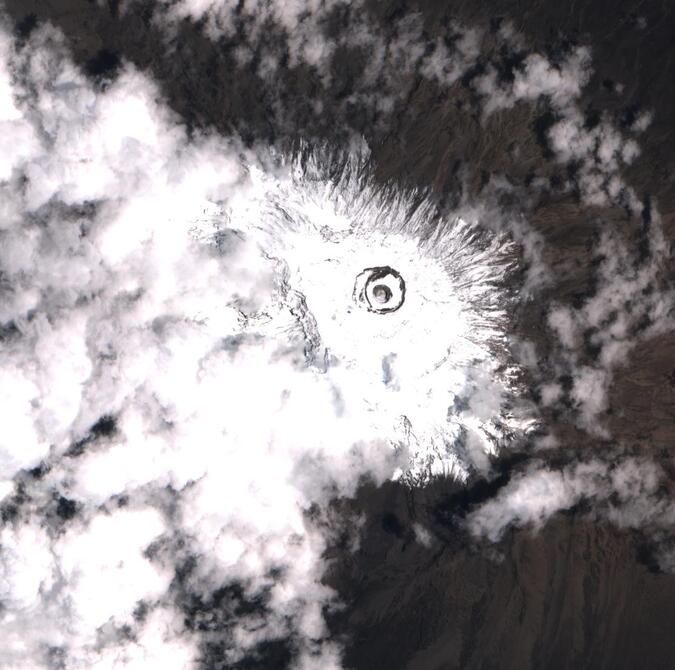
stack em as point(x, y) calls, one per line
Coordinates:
point(118, 311)
point(161, 643)
point(104, 569)
point(563, 321)
point(589, 393)
point(624, 492)
point(422, 535)
point(537, 76)
point(629, 304)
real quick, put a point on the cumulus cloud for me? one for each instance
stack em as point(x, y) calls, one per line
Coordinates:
point(359, 67)
point(630, 303)
point(536, 77)
point(625, 492)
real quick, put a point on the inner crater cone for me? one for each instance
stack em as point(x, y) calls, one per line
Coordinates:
point(382, 293)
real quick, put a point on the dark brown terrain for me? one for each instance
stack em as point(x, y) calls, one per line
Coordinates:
point(579, 593)
point(574, 595)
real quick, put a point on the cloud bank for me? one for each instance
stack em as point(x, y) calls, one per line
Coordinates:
point(148, 452)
